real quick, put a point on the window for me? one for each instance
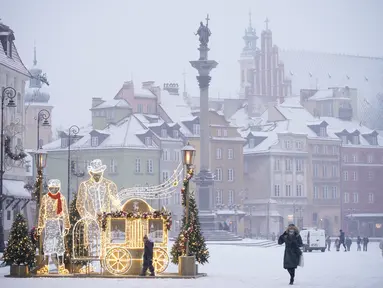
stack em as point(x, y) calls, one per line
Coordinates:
point(325, 192)
point(138, 165)
point(230, 153)
point(299, 190)
point(299, 165)
point(370, 198)
point(94, 141)
point(164, 133)
point(165, 176)
point(148, 108)
point(334, 192)
point(370, 175)
point(298, 145)
point(316, 194)
point(18, 103)
point(219, 132)
point(218, 153)
point(109, 114)
point(230, 175)
point(231, 197)
point(334, 171)
point(345, 158)
point(288, 190)
point(316, 149)
point(113, 166)
point(316, 170)
point(196, 129)
point(356, 197)
point(325, 150)
point(64, 142)
point(148, 141)
point(224, 133)
point(177, 154)
point(277, 190)
point(218, 174)
point(354, 176)
point(324, 171)
point(251, 143)
point(176, 134)
point(288, 164)
point(354, 158)
point(334, 150)
point(369, 158)
point(322, 131)
point(218, 196)
point(374, 140)
point(346, 197)
point(8, 215)
point(139, 108)
point(149, 166)
point(355, 139)
point(287, 144)
point(345, 175)
point(277, 165)
point(165, 155)
point(344, 139)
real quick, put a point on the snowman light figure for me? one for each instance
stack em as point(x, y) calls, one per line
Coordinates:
point(53, 215)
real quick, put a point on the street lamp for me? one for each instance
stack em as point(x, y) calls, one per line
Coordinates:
point(9, 94)
point(43, 117)
point(73, 130)
point(41, 162)
point(188, 155)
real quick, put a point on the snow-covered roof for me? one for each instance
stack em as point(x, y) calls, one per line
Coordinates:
point(122, 135)
point(122, 103)
point(15, 188)
point(140, 92)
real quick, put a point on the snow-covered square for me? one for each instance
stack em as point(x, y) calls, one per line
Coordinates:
point(247, 266)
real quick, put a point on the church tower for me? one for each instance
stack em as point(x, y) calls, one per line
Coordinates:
point(246, 62)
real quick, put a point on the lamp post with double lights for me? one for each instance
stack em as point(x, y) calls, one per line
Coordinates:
point(42, 120)
point(9, 94)
point(41, 162)
point(73, 131)
point(188, 155)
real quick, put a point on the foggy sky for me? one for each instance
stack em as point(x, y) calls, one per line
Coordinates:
point(88, 48)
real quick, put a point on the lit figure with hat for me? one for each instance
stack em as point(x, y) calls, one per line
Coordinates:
point(97, 194)
point(54, 220)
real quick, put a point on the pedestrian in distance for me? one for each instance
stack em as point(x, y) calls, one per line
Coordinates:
point(358, 243)
point(341, 240)
point(365, 243)
point(328, 243)
point(293, 255)
point(148, 257)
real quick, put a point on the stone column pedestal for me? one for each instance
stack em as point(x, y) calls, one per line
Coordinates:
point(186, 266)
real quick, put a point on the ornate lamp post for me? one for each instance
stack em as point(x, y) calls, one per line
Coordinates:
point(188, 154)
point(41, 162)
point(9, 94)
point(43, 117)
point(73, 130)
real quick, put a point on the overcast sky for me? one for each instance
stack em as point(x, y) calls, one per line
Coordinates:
point(88, 48)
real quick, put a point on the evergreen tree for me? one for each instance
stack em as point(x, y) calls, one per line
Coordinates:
point(20, 250)
point(191, 231)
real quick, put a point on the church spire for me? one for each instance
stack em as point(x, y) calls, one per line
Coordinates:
point(250, 22)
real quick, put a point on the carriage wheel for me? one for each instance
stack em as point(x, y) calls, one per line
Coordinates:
point(118, 261)
point(160, 260)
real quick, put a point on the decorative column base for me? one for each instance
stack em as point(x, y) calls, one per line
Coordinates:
point(187, 266)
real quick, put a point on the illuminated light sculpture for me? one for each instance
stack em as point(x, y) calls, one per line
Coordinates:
point(53, 215)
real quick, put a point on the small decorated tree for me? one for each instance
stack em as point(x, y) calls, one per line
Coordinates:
point(20, 250)
point(190, 231)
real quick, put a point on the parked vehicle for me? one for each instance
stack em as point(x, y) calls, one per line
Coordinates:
point(313, 239)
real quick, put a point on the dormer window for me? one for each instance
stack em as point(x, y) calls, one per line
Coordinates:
point(219, 132)
point(64, 142)
point(355, 139)
point(344, 139)
point(196, 129)
point(322, 132)
point(94, 141)
point(287, 144)
point(176, 134)
point(252, 143)
point(148, 141)
point(164, 133)
point(224, 133)
point(374, 140)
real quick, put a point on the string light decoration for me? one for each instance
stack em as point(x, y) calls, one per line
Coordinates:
point(7, 149)
point(53, 212)
point(190, 231)
point(20, 250)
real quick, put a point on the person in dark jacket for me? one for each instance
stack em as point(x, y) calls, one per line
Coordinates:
point(292, 257)
point(341, 240)
point(358, 242)
point(365, 243)
point(348, 243)
point(328, 243)
point(148, 257)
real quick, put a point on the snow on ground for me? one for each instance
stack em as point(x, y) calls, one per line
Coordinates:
point(245, 267)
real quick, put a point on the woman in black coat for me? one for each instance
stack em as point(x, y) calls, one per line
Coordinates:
point(293, 242)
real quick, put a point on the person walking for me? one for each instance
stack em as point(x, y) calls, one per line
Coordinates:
point(148, 257)
point(337, 245)
point(342, 239)
point(293, 253)
point(348, 243)
point(328, 243)
point(358, 243)
point(365, 243)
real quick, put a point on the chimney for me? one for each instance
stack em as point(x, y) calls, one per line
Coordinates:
point(172, 88)
point(156, 90)
point(147, 85)
point(96, 101)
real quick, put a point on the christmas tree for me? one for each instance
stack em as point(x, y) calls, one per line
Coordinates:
point(190, 231)
point(20, 250)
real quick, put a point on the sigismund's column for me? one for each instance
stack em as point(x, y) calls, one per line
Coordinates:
point(204, 179)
